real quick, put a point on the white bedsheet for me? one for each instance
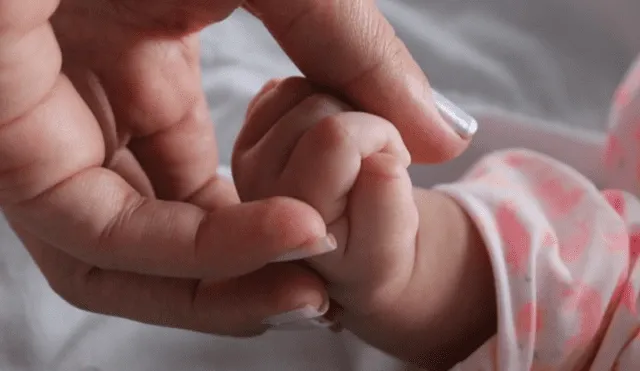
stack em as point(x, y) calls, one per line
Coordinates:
point(535, 73)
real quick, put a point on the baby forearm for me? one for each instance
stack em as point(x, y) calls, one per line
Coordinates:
point(463, 310)
point(447, 309)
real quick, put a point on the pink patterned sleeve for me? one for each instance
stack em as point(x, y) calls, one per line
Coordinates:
point(561, 258)
point(564, 254)
point(622, 154)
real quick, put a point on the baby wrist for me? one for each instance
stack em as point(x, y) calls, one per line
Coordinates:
point(453, 256)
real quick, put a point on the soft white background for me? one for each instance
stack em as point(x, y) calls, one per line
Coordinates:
point(535, 73)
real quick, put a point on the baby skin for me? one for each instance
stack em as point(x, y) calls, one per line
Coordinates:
point(411, 275)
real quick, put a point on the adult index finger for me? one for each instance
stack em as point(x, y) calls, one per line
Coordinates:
point(348, 45)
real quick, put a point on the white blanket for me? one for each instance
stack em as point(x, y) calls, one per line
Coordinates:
point(538, 74)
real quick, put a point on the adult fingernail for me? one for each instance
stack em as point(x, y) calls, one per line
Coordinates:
point(304, 325)
point(319, 247)
point(460, 121)
point(307, 317)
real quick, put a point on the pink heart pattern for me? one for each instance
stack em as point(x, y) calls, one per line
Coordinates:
point(566, 257)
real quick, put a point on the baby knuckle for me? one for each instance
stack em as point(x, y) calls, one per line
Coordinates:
point(296, 83)
point(242, 175)
point(330, 134)
point(378, 300)
point(319, 99)
point(383, 168)
point(325, 104)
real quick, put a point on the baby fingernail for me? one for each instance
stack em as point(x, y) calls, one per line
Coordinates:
point(319, 247)
point(307, 317)
point(460, 121)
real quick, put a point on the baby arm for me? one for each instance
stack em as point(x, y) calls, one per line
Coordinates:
point(417, 271)
point(561, 259)
point(404, 255)
point(564, 254)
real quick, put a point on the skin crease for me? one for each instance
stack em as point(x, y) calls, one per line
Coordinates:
point(453, 284)
point(108, 155)
point(411, 275)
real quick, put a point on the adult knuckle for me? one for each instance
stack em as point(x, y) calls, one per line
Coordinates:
point(106, 242)
point(385, 44)
point(381, 50)
point(296, 83)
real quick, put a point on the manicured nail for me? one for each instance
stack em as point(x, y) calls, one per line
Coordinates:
point(319, 247)
point(305, 325)
point(307, 317)
point(460, 121)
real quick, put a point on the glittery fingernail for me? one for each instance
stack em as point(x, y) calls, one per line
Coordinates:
point(460, 121)
point(305, 318)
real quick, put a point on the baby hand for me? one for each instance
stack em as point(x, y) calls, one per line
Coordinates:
point(351, 167)
point(392, 278)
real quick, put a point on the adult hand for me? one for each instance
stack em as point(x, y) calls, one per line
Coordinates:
point(108, 156)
